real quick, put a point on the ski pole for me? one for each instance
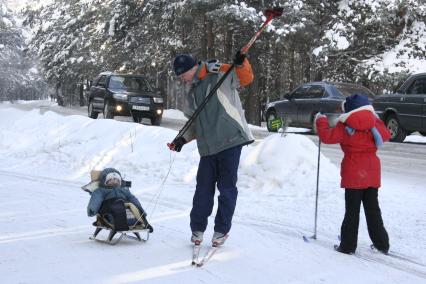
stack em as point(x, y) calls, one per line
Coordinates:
point(270, 14)
point(316, 194)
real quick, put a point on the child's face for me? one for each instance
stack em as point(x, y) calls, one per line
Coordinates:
point(113, 182)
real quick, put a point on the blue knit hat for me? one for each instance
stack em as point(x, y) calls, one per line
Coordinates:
point(183, 63)
point(355, 101)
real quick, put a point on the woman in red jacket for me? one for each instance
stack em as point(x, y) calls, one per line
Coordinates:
point(359, 133)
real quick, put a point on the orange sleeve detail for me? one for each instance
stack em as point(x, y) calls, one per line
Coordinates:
point(244, 72)
point(203, 72)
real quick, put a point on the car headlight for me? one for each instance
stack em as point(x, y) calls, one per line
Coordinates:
point(122, 97)
point(158, 100)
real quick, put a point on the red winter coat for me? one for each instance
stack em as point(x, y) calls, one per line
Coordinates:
point(360, 166)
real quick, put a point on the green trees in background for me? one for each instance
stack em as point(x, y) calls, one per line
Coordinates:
point(372, 43)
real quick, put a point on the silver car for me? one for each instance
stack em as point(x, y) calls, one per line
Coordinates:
point(299, 107)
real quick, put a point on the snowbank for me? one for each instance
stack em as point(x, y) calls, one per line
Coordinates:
point(74, 145)
point(285, 163)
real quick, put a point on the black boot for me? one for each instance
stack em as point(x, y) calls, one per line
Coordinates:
point(341, 250)
point(384, 251)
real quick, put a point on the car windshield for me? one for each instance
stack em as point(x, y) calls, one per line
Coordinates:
point(348, 90)
point(129, 83)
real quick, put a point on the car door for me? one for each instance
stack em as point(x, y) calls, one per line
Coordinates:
point(287, 109)
point(98, 91)
point(423, 115)
point(308, 104)
point(412, 103)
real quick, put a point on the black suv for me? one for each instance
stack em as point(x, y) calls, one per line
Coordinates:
point(404, 111)
point(124, 95)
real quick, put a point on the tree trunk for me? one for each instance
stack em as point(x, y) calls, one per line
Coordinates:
point(307, 67)
point(204, 39)
point(227, 50)
point(253, 98)
point(292, 69)
point(210, 40)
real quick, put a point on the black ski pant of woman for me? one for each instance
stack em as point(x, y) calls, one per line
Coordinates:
point(373, 215)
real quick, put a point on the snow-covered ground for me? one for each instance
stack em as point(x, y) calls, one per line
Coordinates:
point(46, 158)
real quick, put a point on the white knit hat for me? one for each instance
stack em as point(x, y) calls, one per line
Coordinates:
point(113, 179)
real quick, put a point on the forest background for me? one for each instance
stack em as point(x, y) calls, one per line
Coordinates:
point(55, 48)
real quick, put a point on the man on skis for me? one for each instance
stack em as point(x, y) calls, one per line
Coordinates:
point(220, 130)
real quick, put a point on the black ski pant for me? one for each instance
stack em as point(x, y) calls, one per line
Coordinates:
point(376, 229)
point(114, 211)
point(219, 169)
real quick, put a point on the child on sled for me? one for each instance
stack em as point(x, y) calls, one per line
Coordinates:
point(109, 202)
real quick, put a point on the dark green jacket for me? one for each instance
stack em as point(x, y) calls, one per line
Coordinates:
point(221, 124)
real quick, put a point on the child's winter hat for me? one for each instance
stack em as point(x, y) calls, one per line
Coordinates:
point(182, 63)
point(113, 179)
point(355, 101)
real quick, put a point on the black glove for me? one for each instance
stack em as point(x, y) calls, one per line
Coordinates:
point(177, 144)
point(239, 58)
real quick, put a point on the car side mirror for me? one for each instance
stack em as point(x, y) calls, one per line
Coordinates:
point(288, 97)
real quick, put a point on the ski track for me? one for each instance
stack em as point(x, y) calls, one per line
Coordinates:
point(285, 232)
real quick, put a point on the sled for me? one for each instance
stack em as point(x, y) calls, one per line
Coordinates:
point(134, 232)
point(136, 223)
point(112, 233)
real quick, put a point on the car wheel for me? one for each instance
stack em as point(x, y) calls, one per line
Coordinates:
point(107, 111)
point(271, 115)
point(91, 113)
point(156, 121)
point(398, 134)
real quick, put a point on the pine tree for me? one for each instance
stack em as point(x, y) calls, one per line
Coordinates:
point(19, 78)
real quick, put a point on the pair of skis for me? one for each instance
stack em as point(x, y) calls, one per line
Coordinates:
point(196, 252)
point(390, 254)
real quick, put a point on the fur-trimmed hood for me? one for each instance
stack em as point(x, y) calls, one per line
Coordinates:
point(103, 175)
point(362, 118)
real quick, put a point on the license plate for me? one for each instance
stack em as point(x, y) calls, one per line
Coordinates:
point(140, 107)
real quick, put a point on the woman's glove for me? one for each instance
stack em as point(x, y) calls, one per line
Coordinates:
point(319, 115)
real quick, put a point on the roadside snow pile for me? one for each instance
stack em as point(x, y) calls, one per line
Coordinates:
point(285, 163)
point(278, 178)
point(71, 146)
